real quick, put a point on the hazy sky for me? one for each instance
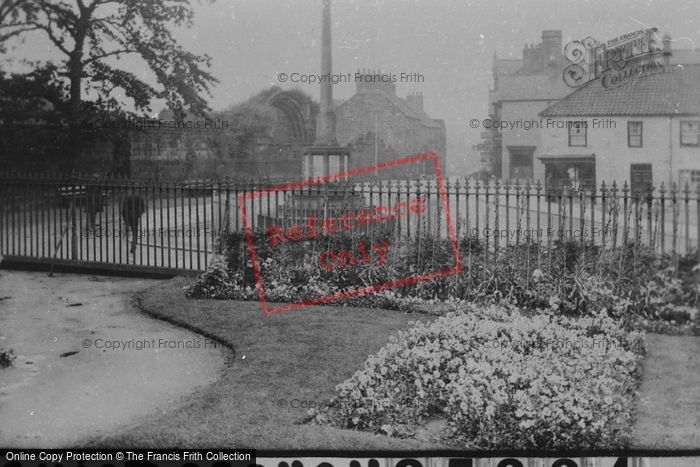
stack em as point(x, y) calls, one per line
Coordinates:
point(450, 42)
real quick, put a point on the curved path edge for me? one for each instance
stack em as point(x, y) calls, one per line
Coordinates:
point(69, 382)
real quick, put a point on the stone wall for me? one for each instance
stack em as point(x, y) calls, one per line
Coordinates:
point(363, 155)
point(44, 148)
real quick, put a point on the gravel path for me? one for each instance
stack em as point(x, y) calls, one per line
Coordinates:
point(68, 383)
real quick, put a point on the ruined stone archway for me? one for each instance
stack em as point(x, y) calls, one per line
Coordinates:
point(298, 113)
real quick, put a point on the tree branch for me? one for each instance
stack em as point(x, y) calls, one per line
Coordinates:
point(116, 52)
point(53, 38)
point(6, 36)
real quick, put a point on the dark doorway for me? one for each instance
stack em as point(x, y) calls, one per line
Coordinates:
point(641, 179)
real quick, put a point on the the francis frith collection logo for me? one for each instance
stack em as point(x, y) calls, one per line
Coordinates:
point(616, 61)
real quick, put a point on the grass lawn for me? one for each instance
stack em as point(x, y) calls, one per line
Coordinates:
point(303, 354)
point(668, 407)
point(300, 354)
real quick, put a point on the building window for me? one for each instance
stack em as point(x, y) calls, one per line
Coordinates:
point(577, 134)
point(691, 177)
point(690, 132)
point(634, 134)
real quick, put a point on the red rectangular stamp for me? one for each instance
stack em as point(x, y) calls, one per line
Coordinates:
point(316, 223)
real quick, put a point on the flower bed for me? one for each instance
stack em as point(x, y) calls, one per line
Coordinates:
point(526, 393)
point(567, 278)
point(217, 283)
point(502, 381)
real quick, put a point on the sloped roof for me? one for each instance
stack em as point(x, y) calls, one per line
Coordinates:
point(676, 92)
point(400, 103)
point(548, 86)
point(405, 108)
point(506, 66)
point(424, 117)
point(685, 56)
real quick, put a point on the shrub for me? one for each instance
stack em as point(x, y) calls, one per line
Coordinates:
point(214, 282)
point(502, 381)
point(7, 356)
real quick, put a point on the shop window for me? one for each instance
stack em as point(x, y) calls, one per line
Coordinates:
point(521, 161)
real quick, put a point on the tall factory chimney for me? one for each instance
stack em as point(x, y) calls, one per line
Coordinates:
point(325, 122)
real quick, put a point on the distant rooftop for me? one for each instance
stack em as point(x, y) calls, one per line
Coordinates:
point(532, 87)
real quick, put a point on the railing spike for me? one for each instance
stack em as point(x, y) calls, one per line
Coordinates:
point(662, 189)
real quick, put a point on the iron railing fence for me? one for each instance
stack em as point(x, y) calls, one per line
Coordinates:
point(183, 220)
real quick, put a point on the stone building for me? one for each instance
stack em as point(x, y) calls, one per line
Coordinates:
point(522, 90)
point(641, 135)
point(379, 126)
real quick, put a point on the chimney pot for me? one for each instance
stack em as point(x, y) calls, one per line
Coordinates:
point(667, 50)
